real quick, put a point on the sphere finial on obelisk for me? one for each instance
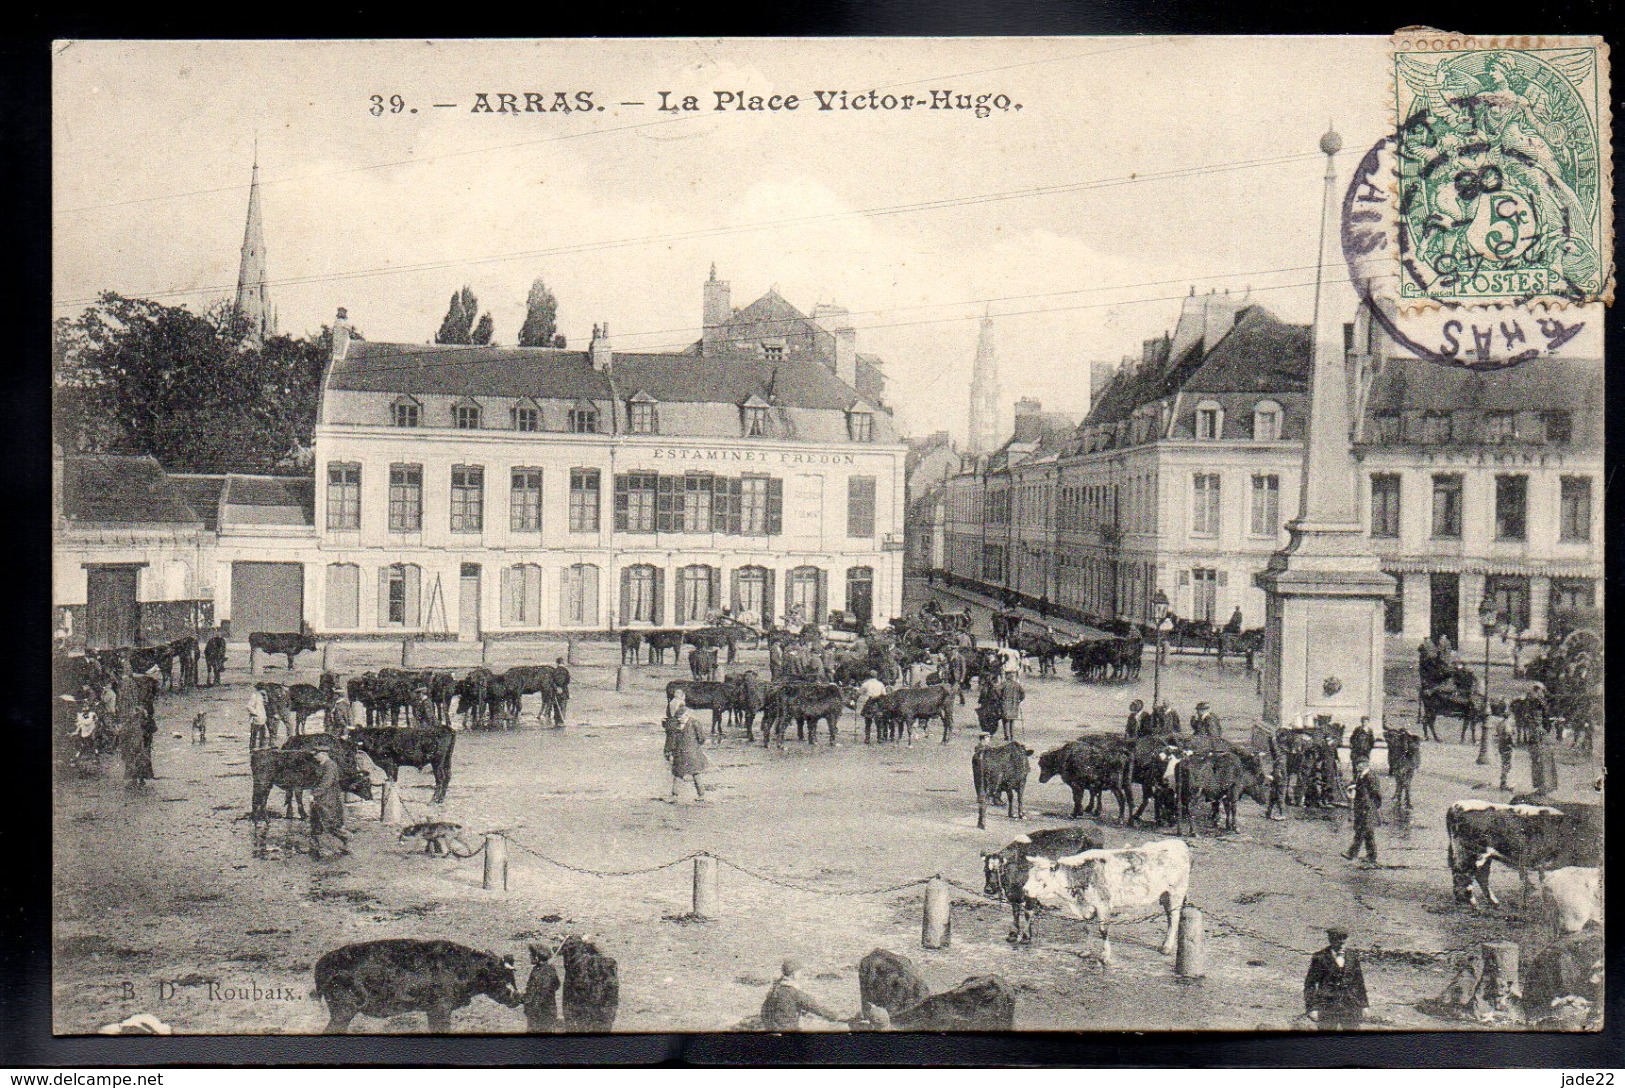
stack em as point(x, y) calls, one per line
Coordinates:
point(1331, 143)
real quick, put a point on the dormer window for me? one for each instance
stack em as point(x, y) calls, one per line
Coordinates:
point(465, 415)
point(755, 421)
point(773, 349)
point(641, 415)
point(584, 418)
point(1500, 426)
point(527, 417)
point(860, 425)
point(1209, 421)
point(405, 412)
point(1266, 421)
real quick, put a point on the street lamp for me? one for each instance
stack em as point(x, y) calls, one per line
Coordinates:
point(1164, 624)
point(1490, 620)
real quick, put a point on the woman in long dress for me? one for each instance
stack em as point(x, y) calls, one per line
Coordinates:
point(134, 749)
point(683, 742)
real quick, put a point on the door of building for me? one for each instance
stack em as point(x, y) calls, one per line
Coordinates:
point(468, 603)
point(1204, 594)
point(1445, 608)
point(860, 593)
point(111, 612)
point(267, 597)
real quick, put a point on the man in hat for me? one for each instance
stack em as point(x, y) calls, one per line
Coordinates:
point(1503, 738)
point(1334, 988)
point(1204, 723)
point(1138, 719)
point(786, 1001)
point(327, 805)
point(1010, 696)
point(1361, 742)
point(1165, 719)
point(1367, 804)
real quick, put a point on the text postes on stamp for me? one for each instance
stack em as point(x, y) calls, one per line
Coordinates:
point(1502, 184)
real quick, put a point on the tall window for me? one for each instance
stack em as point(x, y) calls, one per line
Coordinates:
point(697, 593)
point(466, 417)
point(398, 586)
point(1266, 508)
point(1559, 427)
point(1209, 421)
point(343, 496)
point(527, 418)
point(1447, 506)
point(752, 592)
point(1571, 593)
point(860, 426)
point(1205, 515)
point(1574, 508)
point(753, 506)
point(640, 599)
point(405, 413)
point(1204, 594)
point(635, 502)
point(525, 501)
point(860, 506)
point(405, 498)
point(755, 421)
point(805, 593)
point(1393, 608)
point(1385, 504)
point(583, 500)
point(1510, 596)
point(1500, 426)
point(583, 419)
point(522, 595)
point(641, 417)
point(1266, 421)
point(697, 492)
point(1511, 507)
point(578, 597)
point(467, 498)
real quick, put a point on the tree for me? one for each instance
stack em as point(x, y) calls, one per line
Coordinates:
point(463, 323)
point(541, 328)
point(133, 375)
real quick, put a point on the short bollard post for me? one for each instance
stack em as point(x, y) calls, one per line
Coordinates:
point(1191, 959)
point(705, 887)
point(390, 810)
point(570, 652)
point(485, 651)
point(496, 862)
point(327, 656)
point(253, 660)
point(937, 930)
point(620, 678)
point(406, 653)
point(1499, 980)
point(1548, 762)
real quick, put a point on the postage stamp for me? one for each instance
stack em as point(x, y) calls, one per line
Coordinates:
point(1503, 189)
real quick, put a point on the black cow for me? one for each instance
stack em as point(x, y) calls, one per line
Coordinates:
point(351, 776)
point(303, 701)
point(702, 663)
point(806, 704)
point(471, 692)
point(293, 771)
point(980, 1003)
point(1220, 778)
point(425, 749)
point(900, 709)
point(288, 644)
point(1529, 837)
point(748, 696)
point(214, 656)
point(888, 982)
point(713, 695)
point(1000, 770)
point(551, 682)
point(715, 638)
point(1040, 648)
point(1093, 764)
point(631, 645)
point(1147, 768)
point(393, 976)
point(1005, 873)
point(661, 641)
point(592, 986)
point(186, 655)
point(504, 699)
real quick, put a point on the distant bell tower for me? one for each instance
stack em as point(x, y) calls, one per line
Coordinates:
point(253, 294)
point(984, 394)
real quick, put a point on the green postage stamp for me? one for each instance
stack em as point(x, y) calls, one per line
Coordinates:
point(1504, 188)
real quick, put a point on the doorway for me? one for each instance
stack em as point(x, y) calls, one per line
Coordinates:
point(1444, 612)
point(468, 604)
point(267, 597)
point(111, 616)
point(860, 593)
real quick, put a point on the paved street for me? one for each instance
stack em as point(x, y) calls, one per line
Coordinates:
point(161, 889)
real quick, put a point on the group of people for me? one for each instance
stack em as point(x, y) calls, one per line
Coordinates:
point(1163, 720)
point(96, 723)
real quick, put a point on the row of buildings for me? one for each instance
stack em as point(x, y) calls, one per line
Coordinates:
point(1188, 465)
point(485, 491)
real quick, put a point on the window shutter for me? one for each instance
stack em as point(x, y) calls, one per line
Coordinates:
point(626, 596)
point(533, 595)
point(668, 515)
point(383, 596)
point(821, 606)
point(733, 590)
point(621, 504)
point(414, 576)
point(1184, 577)
point(775, 506)
point(660, 596)
point(729, 504)
point(714, 588)
point(506, 584)
point(589, 594)
point(767, 597)
point(1224, 578)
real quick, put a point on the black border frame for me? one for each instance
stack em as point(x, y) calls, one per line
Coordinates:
point(25, 71)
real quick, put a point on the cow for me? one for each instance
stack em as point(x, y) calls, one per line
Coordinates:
point(551, 682)
point(288, 644)
point(292, 771)
point(214, 656)
point(631, 647)
point(541, 998)
point(185, 651)
point(980, 1003)
point(900, 709)
point(1147, 767)
point(1004, 873)
point(1404, 759)
point(747, 695)
point(472, 692)
point(1098, 884)
point(702, 663)
point(1038, 647)
point(1094, 764)
point(713, 695)
point(715, 638)
point(592, 986)
point(1572, 898)
point(1000, 770)
point(303, 701)
point(805, 704)
point(1530, 837)
point(389, 977)
point(1219, 778)
point(661, 641)
point(888, 983)
point(392, 749)
point(504, 701)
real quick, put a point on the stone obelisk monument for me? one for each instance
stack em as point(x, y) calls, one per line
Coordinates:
point(1324, 592)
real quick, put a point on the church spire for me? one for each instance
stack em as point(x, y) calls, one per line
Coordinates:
point(253, 297)
point(984, 393)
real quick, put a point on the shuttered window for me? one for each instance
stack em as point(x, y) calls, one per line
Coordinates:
point(583, 500)
point(668, 504)
point(860, 506)
point(697, 501)
point(697, 593)
point(641, 587)
point(578, 595)
point(635, 494)
point(399, 592)
point(525, 500)
point(522, 595)
point(405, 498)
point(753, 594)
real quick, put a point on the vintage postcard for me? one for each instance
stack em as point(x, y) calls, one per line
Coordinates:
point(832, 535)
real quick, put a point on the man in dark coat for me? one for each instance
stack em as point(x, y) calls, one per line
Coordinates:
point(1010, 705)
point(1137, 719)
point(327, 805)
point(1204, 723)
point(1165, 719)
point(1367, 804)
point(786, 1001)
point(1334, 988)
point(990, 703)
point(1361, 741)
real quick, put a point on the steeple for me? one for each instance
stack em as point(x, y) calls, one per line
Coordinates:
point(253, 296)
point(984, 393)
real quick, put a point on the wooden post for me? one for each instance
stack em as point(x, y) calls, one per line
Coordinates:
point(327, 655)
point(485, 651)
point(620, 678)
point(1190, 961)
point(253, 660)
point(937, 930)
point(406, 653)
point(705, 887)
point(1499, 982)
point(496, 862)
point(570, 652)
point(1548, 761)
point(390, 810)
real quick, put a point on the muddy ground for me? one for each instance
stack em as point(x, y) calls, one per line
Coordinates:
point(162, 905)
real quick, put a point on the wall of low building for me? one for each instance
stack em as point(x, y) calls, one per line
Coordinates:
point(172, 595)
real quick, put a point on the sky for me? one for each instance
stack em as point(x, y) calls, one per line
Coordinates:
point(1134, 170)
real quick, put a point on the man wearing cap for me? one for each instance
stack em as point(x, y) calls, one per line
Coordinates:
point(786, 1001)
point(1204, 723)
point(1334, 988)
point(1361, 741)
point(1138, 719)
point(1367, 804)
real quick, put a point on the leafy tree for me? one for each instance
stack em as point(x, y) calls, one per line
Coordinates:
point(463, 323)
point(541, 329)
point(136, 376)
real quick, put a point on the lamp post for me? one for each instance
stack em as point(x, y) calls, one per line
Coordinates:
point(1490, 620)
point(1160, 603)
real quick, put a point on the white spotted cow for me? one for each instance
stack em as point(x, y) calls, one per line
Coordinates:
point(1572, 897)
point(1098, 885)
point(1528, 837)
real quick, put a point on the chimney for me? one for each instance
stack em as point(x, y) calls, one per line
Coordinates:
point(1100, 376)
point(717, 313)
point(341, 334)
point(836, 321)
point(1028, 409)
point(602, 354)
